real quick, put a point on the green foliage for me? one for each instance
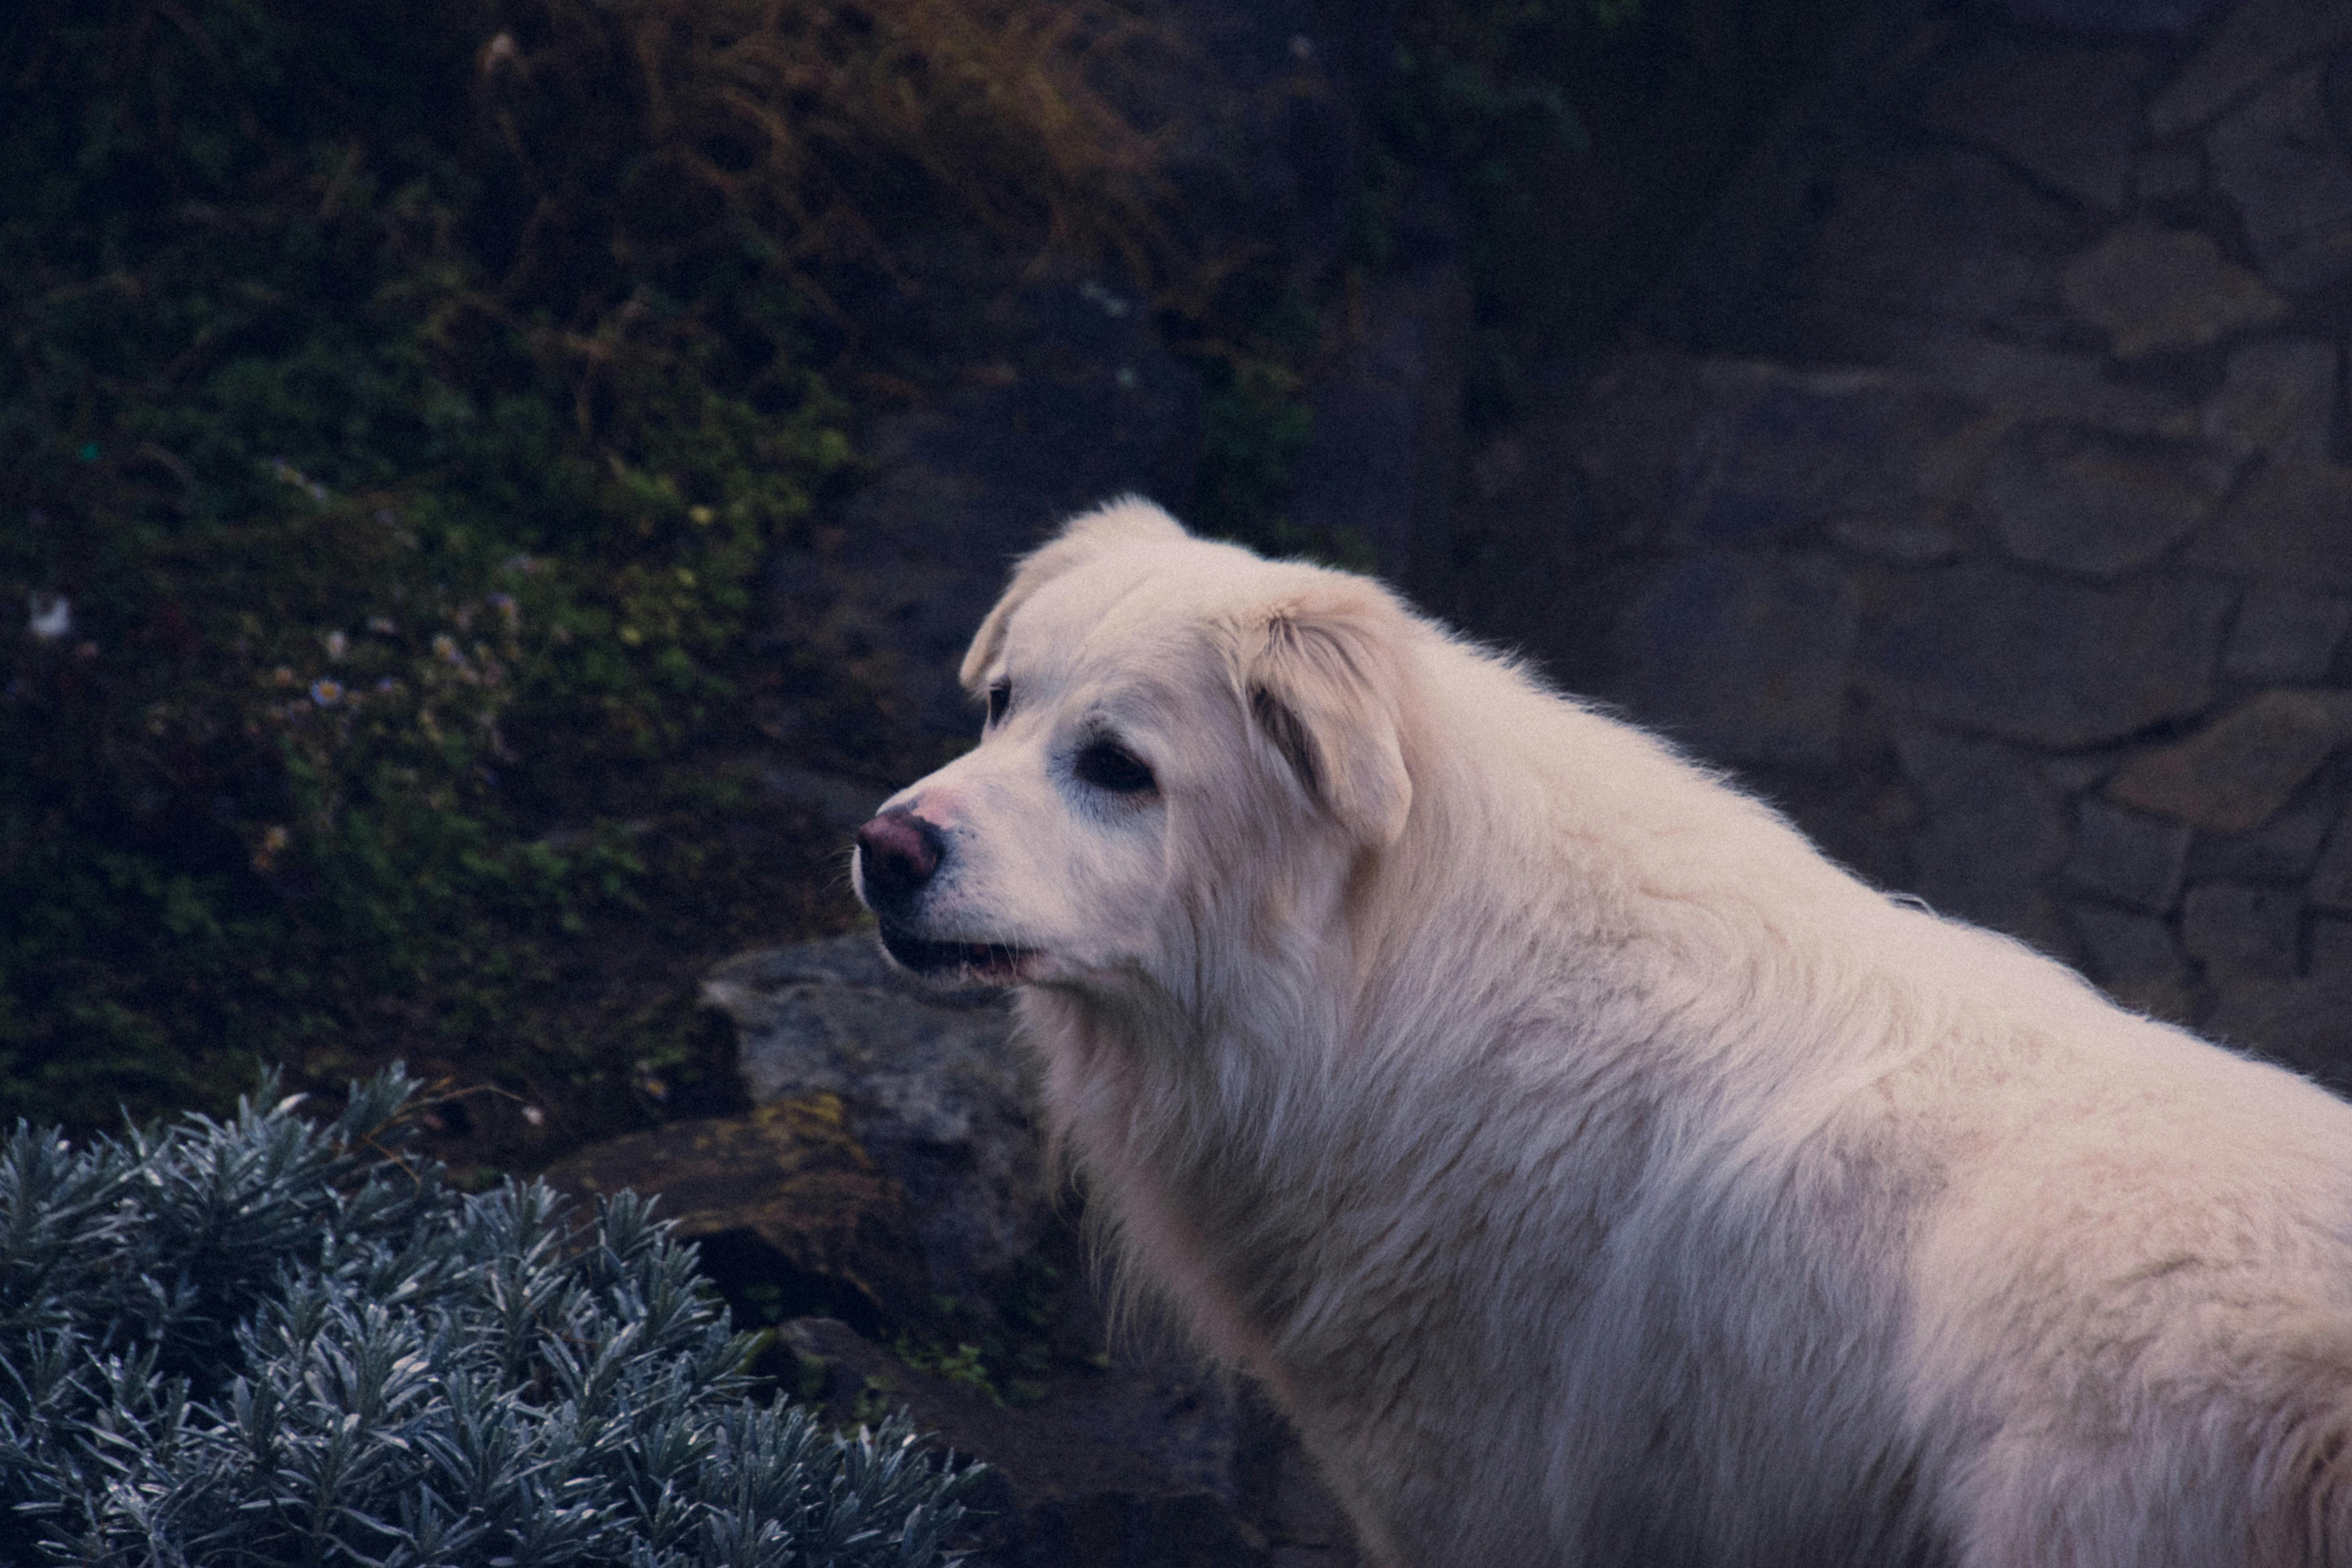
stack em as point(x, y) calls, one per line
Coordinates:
point(1254, 427)
point(1479, 91)
point(404, 400)
point(1476, 86)
point(966, 1364)
point(269, 1342)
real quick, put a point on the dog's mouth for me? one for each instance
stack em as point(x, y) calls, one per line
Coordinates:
point(982, 963)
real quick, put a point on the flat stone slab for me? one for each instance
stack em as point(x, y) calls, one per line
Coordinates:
point(1775, 451)
point(2281, 850)
point(2331, 947)
point(1952, 238)
point(2284, 637)
point(2136, 958)
point(2023, 383)
point(2083, 499)
point(1993, 831)
point(933, 1085)
point(2237, 772)
point(2283, 164)
point(2123, 18)
point(2002, 651)
point(2067, 114)
point(2331, 879)
point(2152, 288)
point(2243, 928)
point(2276, 396)
point(1745, 657)
point(2291, 525)
point(2132, 858)
point(2259, 40)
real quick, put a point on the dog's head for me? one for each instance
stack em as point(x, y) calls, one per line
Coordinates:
point(1178, 734)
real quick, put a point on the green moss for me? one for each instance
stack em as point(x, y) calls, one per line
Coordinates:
point(407, 404)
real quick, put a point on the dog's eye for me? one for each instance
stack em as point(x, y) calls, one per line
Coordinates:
point(1107, 766)
point(1000, 698)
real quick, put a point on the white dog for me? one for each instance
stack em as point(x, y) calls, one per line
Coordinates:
point(1596, 1173)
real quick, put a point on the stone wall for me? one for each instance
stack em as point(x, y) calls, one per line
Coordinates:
point(1980, 491)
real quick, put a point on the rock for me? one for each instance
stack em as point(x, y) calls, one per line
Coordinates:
point(2281, 161)
point(2084, 771)
point(1629, 435)
point(2168, 176)
point(1777, 451)
point(783, 1199)
point(1499, 467)
point(2070, 115)
point(2136, 959)
point(2291, 525)
point(2283, 849)
point(2243, 928)
point(2025, 382)
point(2331, 950)
point(2260, 39)
point(2127, 18)
point(934, 1089)
point(1745, 657)
point(2278, 397)
point(2235, 774)
point(2300, 1023)
point(2010, 653)
point(1904, 542)
point(1950, 237)
point(2331, 881)
point(2150, 289)
point(1992, 833)
point(2133, 859)
point(2082, 499)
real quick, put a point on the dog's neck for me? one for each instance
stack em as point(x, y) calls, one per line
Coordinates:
point(1264, 1108)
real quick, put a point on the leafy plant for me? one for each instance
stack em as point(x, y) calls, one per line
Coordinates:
point(405, 401)
point(271, 1342)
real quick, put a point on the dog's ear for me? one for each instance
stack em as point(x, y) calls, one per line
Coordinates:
point(1317, 674)
point(1130, 519)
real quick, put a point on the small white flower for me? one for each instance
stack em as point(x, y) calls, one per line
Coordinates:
point(338, 645)
point(51, 616)
point(326, 693)
point(534, 1115)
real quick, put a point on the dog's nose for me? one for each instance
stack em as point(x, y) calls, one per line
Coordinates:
point(897, 852)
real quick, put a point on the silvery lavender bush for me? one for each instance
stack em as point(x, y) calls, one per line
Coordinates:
point(271, 1342)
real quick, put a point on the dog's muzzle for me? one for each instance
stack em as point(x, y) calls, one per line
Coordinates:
point(898, 854)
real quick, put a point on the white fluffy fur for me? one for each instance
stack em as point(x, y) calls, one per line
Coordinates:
point(1594, 1171)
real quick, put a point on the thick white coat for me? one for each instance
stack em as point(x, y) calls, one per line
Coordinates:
point(1594, 1171)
